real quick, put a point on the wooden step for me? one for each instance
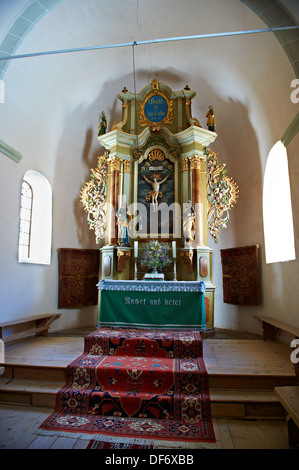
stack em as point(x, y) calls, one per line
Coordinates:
point(249, 404)
point(217, 381)
point(249, 382)
point(245, 404)
point(29, 392)
point(34, 372)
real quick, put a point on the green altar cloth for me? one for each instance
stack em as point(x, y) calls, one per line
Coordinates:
point(152, 304)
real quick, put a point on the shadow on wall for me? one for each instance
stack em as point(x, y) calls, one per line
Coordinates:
point(237, 147)
point(89, 156)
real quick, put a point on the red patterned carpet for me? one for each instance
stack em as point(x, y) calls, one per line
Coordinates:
point(135, 386)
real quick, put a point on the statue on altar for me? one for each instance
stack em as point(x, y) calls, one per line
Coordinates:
point(211, 122)
point(123, 225)
point(188, 224)
point(155, 193)
point(102, 124)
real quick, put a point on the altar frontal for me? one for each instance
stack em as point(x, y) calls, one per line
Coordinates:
point(152, 304)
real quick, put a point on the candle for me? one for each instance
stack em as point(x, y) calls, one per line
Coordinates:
point(174, 249)
point(136, 249)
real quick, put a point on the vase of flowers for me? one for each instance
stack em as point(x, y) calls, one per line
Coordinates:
point(155, 256)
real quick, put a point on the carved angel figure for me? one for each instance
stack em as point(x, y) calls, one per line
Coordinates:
point(188, 223)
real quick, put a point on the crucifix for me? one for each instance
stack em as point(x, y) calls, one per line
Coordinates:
point(155, 190)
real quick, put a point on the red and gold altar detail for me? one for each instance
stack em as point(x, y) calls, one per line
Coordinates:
point(158, 157)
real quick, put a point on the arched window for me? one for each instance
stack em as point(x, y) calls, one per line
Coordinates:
point(35, 237)
point(277, 207)
point(25, 220)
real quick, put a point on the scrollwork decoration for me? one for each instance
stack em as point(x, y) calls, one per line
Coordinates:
point(222, 194)
point(93, 198)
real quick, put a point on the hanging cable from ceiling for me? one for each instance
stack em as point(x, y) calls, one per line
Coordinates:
point(134, 78)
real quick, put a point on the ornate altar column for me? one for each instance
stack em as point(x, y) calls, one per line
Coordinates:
point(185, 196)
point(127, 181)
point(115, 166)
point(196, 197)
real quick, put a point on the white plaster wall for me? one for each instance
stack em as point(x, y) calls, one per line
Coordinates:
point(51, 110)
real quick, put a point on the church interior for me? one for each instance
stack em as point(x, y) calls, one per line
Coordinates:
point(111, 113)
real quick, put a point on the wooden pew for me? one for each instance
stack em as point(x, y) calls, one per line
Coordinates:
point(270, 330)
point(289, 398)
point(271, 327)
point(18, 329)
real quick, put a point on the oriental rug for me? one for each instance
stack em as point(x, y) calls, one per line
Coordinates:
point(241, 275)
point(78, 277)
point(116, 445)
point(135, 386)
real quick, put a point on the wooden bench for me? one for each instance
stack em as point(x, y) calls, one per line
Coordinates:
point(271, 328)
point(289, 398)
point(18, 329)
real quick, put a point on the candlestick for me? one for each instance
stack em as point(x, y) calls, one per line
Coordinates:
point(136, 249)
point(174, 271)
point(174, 249)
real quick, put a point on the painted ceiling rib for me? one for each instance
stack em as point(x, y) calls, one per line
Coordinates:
point(150, 41)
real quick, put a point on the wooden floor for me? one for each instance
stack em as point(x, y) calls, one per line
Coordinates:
point(18, 423)
point(231, 356)
point(224, 355)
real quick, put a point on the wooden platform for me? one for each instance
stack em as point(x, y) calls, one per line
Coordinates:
point(242, 373)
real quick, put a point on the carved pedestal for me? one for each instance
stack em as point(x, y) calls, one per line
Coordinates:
point(123, 256)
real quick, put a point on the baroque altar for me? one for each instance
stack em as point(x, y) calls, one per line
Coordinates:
point(158, 180)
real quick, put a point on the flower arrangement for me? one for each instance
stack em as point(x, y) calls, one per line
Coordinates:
point(155, 256)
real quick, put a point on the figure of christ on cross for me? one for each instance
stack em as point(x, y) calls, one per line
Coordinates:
point(155, 190)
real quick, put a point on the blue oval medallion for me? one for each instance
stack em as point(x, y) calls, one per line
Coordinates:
point(156, 108)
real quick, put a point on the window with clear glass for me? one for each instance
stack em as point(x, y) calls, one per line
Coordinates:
point(277, 207)
point(25, 220)
point(35, 236)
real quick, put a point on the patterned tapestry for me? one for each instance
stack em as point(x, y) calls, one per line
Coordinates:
point(241, 275)
point(78, 277)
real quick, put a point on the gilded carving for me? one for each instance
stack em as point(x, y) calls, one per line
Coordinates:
point(93, 198)
point(115, 163)
point(156, 154)
point(222, 194)
point(184, 164)
point(196, 161)
point(127, 166)
point(155, 122)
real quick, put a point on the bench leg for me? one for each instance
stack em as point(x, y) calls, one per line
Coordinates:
point(293, 432)
point(42, 326)
point(269, 331)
